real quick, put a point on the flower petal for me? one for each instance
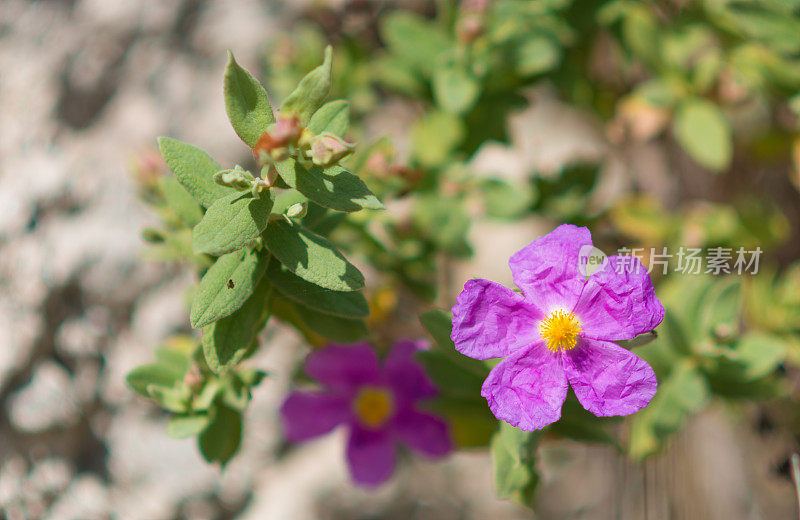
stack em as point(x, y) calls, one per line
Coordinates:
point(405, 374)
point(527, 388)
point(344, 367)
point(547, 269)
point(609, 380)
point(370, 455)
point(491, 321)
point(619, 301)
point(307, 415)
point(423, 432)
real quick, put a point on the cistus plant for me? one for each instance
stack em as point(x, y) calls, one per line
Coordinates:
point(269, 239)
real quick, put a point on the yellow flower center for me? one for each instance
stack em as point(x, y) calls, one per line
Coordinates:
point(373, 406)
point(560, 330)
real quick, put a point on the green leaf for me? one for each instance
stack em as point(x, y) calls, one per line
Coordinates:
point(194, 169)
point(537, 55)
point(683, 392)
point(434, 138)
point(226, 286)
point(231, 223)
point(174, 400)
point(183, 426)
point(225, 342)
point(332, 187)
point(471, 422)
point(760, 354)
point(514, 457)
point(333, 117)
point(704, 132)
point(413, 40)
point(311, 92)
point(220, 440)
point(455, 89)
point(311, 256)
point(145, 376)
point(180, 201)
point(333, 328)
point(722, 308)
point(346, 304)
point(246, 103)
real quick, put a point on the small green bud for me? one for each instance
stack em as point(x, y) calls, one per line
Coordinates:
point(236, 178)
point(153, 236)
point(297, 210)
point(327, 148)
point(274, 144)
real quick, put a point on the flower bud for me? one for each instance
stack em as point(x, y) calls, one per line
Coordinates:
point(327, 148)
point(297, 210)
point(237, 178)
point(274, 143)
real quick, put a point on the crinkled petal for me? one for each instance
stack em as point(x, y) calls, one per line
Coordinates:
point(547, 269)
point(527, 388)
point(619, 301)
point(370, 455)
point(344, 367)
point(609, 380)
point(423, 432)
point(405, 374)
point(491, 321)
point(306, 415)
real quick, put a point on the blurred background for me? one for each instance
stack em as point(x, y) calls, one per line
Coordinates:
point(86, 86)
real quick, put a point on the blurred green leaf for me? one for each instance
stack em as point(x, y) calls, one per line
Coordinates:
point(704, 132)
point(514, 458)
point(435, 137)
point(455, 89)
point(220, 440)
point(180, 201)
point(183, 426)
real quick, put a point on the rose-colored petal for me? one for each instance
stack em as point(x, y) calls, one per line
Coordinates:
point(370, 455)
point(344, 368)
point(527, 388)
point(547, 269)
point(422, 432)
point(405, 374)
point(609, 380)
point(306, 415)
point(491, 321)
point(619, 302)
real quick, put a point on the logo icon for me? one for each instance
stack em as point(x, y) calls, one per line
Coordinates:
point(591, 260)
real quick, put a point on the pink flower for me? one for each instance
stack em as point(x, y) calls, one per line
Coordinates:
point(560, 331)
point(377, 403)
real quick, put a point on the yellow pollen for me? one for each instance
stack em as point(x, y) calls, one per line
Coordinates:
point(560, 330)
point(373, 406)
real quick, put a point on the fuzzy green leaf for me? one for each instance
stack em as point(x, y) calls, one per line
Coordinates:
point(220, 440)
point(246, 102)
point(514, 456)
point(194, 169)
point(183, 426)
point(333, 187)
point(333, 117)
point(413, 40)
point(705, 134)
point(454, 89)
point(180, 201)
point(311, 256)
point(225, 342)
point(227, 285)
point(157, 374)
point(346, 304)
point(311, 92)
point(231, 223)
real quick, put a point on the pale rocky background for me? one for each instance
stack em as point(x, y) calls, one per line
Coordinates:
point(85, 85)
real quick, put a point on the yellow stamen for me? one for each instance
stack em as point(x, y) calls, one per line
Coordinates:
point(373, 406)
point(560, 330)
